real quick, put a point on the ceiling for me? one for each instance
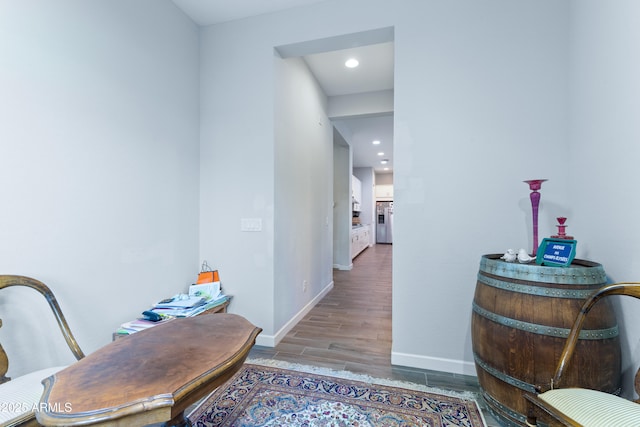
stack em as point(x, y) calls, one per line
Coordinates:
point(374, 73)
point(209, 12)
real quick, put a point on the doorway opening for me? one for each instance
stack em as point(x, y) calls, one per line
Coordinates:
point(359, 111)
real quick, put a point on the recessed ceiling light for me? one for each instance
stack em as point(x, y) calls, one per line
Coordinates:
point(380, 153)
point(351, 63)
point(384, 162)
point(385, 169)
point(376, 142)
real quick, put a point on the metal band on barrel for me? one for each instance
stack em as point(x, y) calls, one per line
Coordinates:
point(585, 334)
point(536, 273)
point(504, 377)
point(506, 415)
point(535, 290)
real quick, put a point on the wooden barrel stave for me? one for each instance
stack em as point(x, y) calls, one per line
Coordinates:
point(521, 316)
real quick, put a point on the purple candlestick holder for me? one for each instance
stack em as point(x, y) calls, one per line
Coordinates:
point(534, 186)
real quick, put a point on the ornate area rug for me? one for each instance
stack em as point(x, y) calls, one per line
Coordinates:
point(270, 396)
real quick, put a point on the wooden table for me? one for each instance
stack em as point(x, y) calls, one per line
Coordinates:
point(151, 376)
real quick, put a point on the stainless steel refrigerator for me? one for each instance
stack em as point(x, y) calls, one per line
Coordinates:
point(384, 222)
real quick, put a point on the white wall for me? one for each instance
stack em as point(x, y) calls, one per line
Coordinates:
point(99, 166)
point(99, 145)
point(237, 158)
point(303, 167)
point(605, 87)
point(238, 116)
point(361, 104)
point(342, 202)
point(480, 106)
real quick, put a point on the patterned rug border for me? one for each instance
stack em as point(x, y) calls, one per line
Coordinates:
point(469, 397)
point(464, 395)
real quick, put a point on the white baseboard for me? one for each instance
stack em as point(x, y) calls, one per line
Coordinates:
point(433, 363)
point(343, 267)
point(273, 340)
point(265, 340)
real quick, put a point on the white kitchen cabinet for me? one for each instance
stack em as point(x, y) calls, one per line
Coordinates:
point(356, 189)
point(384, 192)
point(360, 240)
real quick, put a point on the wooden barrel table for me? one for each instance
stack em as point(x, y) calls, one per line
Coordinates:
point(522, 314)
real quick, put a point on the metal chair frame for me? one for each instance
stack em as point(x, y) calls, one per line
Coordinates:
point(538, 407)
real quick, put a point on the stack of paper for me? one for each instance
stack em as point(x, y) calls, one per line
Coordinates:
point(209, 304)
point(181, 301)
point(201, 298)
point(138, 325)
point(208, 291)
point(187, 306)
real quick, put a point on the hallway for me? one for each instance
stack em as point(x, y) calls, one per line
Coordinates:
point(350, 329)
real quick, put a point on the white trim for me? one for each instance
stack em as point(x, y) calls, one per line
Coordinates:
point(343, 267)
point(273, 340)
point(433, 363)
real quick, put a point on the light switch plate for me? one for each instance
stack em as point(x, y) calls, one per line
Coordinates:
point(251, 224)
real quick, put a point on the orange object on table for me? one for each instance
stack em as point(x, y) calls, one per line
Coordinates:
point(208, 277)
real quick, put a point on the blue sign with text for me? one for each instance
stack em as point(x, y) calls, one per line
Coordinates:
point(556, 252)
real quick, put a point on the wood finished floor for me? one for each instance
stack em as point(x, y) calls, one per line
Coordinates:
point(350, 329)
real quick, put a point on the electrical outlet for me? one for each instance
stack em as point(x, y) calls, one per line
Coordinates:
point(305, 286)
